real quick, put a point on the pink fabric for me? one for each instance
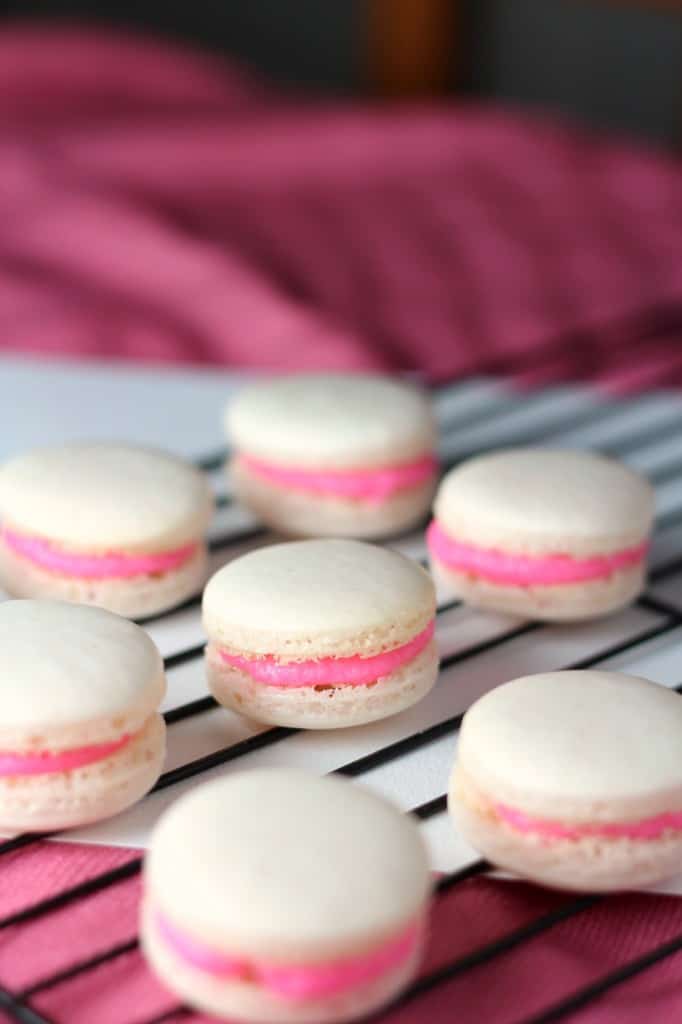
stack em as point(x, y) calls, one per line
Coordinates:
point(521, 982)
point(352, 671)
point(156, 204)
point(372, 485)
point(93, 566)
point(525, 570)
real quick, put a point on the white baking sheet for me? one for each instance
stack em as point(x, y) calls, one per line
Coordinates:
point(181, 410)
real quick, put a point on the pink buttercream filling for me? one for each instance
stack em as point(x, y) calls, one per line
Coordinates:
point(372, 485)
point(109, 565)
point(648, 828)
point(352, 671)
point(294, 982)
point(525, 570)
point(44, 762)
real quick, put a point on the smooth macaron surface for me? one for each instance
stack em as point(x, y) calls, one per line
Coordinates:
point(542, 501)
point(286, 866)
point(318, 598)
point(331, 421)
point(576, 747)
point(73, 675)
point(100, 496)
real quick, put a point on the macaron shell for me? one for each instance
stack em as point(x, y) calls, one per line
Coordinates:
point(318, 598)
point(301, 513)
point(570, 746)
point(40, 803)
point(73, 676)
point(135, 597)
point(566, 602)
point(236, 1000)
point(542, 501)
point(332, 421)
point(294, 868)
point(326, 707)
point(105, 496)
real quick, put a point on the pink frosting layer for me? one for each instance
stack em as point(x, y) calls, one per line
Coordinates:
point(375, 484)
point(648, 828)
point(353, 671)
point(296, 982)
point(44, 762)
point(525, 570)
point(111, 565)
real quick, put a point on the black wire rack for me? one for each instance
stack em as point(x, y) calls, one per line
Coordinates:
point(474, 417)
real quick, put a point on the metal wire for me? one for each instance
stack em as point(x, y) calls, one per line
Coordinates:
point(669, 618)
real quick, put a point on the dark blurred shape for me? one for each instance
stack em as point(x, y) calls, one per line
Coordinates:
point(616, 64)
point(410, 46)
point(313, 43)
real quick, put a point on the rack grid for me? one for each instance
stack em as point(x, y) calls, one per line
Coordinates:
point(478, 651)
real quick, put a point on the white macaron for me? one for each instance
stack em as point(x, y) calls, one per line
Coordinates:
point(80, 733)
point(283, 897)
point(320, 634)
point(544, 534)
point(105, 524)
point(333, 455)
point(574, 779)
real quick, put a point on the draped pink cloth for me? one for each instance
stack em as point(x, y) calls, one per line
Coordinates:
point(155, 204)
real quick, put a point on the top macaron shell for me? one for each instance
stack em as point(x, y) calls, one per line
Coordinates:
point(332, 421)
point(542, 501)
point(579, 746)
point(318, 598)
point(287, 866)
point(69, 672)
point(99, 496)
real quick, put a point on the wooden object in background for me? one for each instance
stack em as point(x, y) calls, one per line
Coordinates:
point(410, 46)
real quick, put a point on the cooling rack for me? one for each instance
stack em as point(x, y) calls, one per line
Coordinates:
point(408, 757)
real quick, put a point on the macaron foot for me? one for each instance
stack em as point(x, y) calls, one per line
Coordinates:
point(304, 514)
point(589, 864)
point(60, 800)
point(134, 598)
point(322, 707)
point(565, 602)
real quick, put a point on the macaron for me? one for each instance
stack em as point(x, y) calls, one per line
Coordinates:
point(80, 734)
point(574, 780)
point(320, 634)
point(542, 534)
point(104, 524)
point(276, 896)
point(333, 455)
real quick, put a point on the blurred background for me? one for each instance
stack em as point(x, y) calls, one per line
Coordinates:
point(440, 186)
point(615, 64)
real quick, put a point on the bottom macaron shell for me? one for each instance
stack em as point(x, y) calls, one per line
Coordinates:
point(246, 1001)
point(56, 800)
point(327, 707)
point(561, 602)
point(589, 864)
point(301, 513)
point(134, 597)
